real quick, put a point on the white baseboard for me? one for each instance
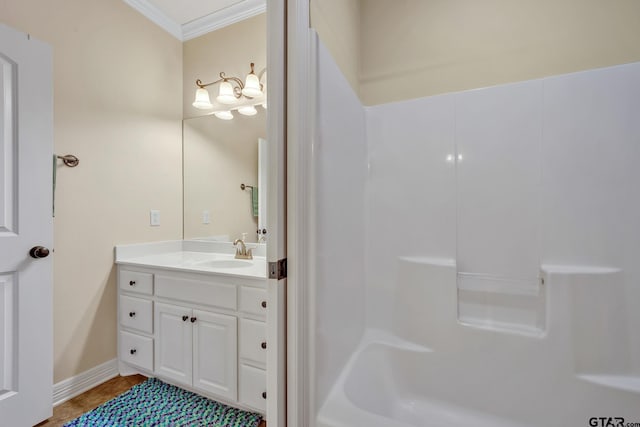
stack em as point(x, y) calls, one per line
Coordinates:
point(71, 387)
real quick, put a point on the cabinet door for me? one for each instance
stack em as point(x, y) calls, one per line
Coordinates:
point(215, 355)
point(173, 354)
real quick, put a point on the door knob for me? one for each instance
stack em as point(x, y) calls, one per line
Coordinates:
point(39, 252)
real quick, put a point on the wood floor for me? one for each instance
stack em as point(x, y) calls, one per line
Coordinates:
point(93, 398)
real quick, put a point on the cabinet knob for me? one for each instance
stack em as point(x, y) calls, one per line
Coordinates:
point(264, 304)
point(132, 282)
point(133, 351)
point(132, 314)
point(185, 318)
point(264, 394)
point(264, 344)
point(193, 320)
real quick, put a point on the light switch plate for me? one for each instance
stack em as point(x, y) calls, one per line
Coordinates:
point(206, 217)
point(154, 217)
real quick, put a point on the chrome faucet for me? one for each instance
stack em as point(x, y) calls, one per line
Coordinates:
point(242, 252)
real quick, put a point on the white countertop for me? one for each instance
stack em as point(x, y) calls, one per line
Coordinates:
point(199, 257)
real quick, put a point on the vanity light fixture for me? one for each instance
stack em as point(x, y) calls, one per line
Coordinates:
point(248, 110)
point(224, 115)
point(231, 91)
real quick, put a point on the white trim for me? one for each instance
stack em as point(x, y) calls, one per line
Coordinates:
point(222, 18)
point(276, 217)
point(156, 16)
point(214, 21)
point(71, 387)
point(300, 216)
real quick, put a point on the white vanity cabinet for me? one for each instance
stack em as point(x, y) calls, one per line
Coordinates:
point(205, 332)
point(197, 348)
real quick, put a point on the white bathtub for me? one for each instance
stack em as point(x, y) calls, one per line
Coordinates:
point(377, 388)
point(392, 383)
point(434, 370)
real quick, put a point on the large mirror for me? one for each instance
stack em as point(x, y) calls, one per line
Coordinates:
point(221, 155)
point(224, 177)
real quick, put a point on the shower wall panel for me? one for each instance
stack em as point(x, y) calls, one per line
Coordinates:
point(591, 200)
point(340, 154)
point(498, 132)
point(504, 179)
point(410, 192)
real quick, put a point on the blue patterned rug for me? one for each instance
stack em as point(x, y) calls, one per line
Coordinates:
point(154, 403)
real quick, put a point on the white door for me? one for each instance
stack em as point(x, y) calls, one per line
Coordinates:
point(277, 215)
point(173, 352)
point(215, 353)
point(26, 152)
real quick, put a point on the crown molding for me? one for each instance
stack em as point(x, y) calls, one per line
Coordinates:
point(227, 16)
point(214, 21)
point(156, 16)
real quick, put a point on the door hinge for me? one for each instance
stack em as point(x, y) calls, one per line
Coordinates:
point(278, 269)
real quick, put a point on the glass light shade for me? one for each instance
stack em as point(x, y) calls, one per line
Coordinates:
point(264, 105)
point(202, 99)
point(252, 86)
point(248, 110)
point(225, 94)
point(224, 115)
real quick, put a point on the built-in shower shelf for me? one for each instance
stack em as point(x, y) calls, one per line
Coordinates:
point(621, 382)
point(500, 285)
point(501, 304)
point(512, 328)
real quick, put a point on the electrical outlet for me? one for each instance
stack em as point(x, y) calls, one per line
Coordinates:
point(206, 217)
point(154, 217)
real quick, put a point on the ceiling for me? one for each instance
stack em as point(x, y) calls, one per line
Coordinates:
point(187, 19)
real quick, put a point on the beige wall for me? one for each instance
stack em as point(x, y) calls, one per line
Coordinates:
point(220, 155)
point(338, 25)
point(117, 93)
point(415, 48)
point(230, 49)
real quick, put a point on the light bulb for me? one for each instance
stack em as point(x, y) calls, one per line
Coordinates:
point(248, 110)
point(225, 94)
point(224, 115)
point(252, 86)
point(202, 99)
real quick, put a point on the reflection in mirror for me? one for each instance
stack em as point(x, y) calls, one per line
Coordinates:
point(219, 156)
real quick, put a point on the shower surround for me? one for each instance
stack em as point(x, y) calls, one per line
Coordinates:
point(477, 253)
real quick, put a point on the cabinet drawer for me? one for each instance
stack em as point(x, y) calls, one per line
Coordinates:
point(253, 387)
point(211, 293)
point(136, 313)
point(253, 341)
point(133, 281)
point(253, 300)
point(136, 350)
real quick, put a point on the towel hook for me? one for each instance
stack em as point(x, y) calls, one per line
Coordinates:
point(244, 187)
point(69, 160)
